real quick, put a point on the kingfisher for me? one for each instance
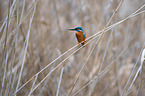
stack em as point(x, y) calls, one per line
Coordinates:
point(80, 35)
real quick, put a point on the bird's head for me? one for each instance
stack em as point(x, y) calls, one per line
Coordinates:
point(78, 29)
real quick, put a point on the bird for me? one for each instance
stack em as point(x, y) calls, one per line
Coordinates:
point(80, 35)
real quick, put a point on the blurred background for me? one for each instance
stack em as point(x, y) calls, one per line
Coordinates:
point(36, 33)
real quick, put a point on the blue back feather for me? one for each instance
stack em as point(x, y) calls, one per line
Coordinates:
point(84, 35)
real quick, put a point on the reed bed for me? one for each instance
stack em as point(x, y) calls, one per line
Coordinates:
point(40, 57)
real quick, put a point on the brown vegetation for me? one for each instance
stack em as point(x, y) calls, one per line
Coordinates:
point(36, 33)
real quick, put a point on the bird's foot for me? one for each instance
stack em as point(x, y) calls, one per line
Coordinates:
point(83, 45)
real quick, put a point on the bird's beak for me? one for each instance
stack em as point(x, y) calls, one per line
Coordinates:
point(72, 29)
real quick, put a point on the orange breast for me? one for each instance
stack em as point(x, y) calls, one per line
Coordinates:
point(80, 37)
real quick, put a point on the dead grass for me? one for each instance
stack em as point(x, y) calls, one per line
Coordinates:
point(38, 55)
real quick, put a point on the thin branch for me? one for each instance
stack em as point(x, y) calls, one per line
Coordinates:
point(132, 72)
point(25, 48)
point(57, 94)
